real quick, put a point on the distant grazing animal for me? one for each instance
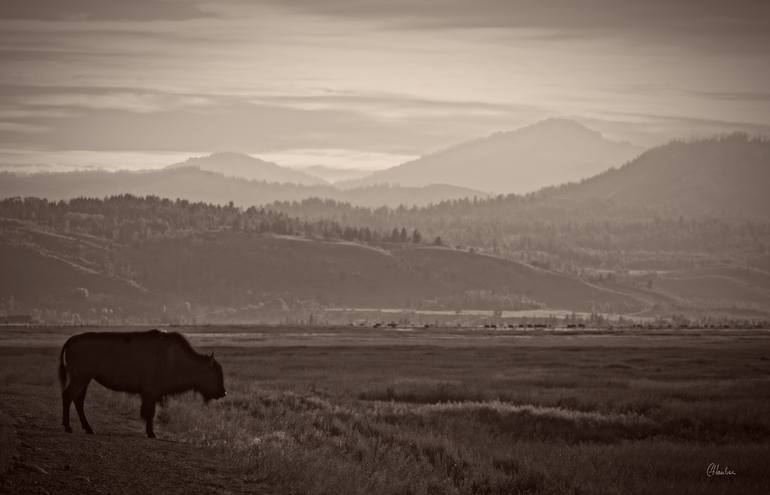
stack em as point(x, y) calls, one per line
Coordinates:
point(153, 364)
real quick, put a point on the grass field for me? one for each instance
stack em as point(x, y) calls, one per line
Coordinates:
point(343, 411)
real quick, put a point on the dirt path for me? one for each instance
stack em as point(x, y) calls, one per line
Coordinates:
point(37, 456)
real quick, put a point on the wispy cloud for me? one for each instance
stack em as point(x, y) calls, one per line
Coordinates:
point(741, 22)
point(734, 95)
point(399, 106)
point(102, 9)
point(128, 101)
point(15, 127)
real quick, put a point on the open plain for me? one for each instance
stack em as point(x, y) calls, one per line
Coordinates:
point(347, 410)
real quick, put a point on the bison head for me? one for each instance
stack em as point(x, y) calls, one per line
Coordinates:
point(211, 383)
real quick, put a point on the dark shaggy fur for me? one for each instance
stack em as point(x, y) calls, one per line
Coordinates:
point(153, 364)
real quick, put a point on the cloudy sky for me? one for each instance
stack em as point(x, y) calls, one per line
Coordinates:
point(365, 83)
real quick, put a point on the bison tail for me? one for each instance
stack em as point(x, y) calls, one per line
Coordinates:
point(62, 369)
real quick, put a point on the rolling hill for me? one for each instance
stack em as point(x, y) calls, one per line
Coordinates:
point(547, 153)
point(720, 177)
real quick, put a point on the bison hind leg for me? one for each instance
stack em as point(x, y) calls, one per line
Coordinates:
point(79, 400)
point(74, 390)
point(66, 401)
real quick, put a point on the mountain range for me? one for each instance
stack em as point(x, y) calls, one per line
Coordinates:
point(722, 177)
point(544, 154)
point(194, 184)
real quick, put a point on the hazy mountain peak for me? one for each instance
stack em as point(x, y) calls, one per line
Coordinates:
point(544, 132)
point(244, 166)
point(335, 174)
point(560, 124)
point(228, 155)
point(221, 158)
point(546, 153)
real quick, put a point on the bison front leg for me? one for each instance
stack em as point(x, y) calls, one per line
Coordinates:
point(147, 412)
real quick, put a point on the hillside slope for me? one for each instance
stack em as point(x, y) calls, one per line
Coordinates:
point(226, 269)
point(547, 153)
point(31, 278)
point(238, 268)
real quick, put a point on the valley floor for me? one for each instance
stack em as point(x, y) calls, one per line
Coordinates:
point(350, 410)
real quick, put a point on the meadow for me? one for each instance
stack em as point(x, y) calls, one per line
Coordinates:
point(355, 411)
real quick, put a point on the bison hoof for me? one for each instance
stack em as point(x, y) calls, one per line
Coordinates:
point(89, 431)
point(151, 435)
point(68, 429)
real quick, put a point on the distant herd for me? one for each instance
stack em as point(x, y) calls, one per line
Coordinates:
point(153, 364)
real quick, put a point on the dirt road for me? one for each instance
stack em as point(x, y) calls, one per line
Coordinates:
point(37, 456)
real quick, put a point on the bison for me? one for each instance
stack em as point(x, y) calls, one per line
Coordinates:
point(153, 364)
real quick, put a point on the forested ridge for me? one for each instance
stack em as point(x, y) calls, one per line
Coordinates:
point(125, 218)
point(645, 241)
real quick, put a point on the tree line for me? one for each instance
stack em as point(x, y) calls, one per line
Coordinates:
point(126, 218)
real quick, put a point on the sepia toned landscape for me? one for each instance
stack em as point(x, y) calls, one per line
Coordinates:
point(385, 247)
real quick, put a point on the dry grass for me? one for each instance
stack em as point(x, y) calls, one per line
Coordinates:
point(486, 420)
